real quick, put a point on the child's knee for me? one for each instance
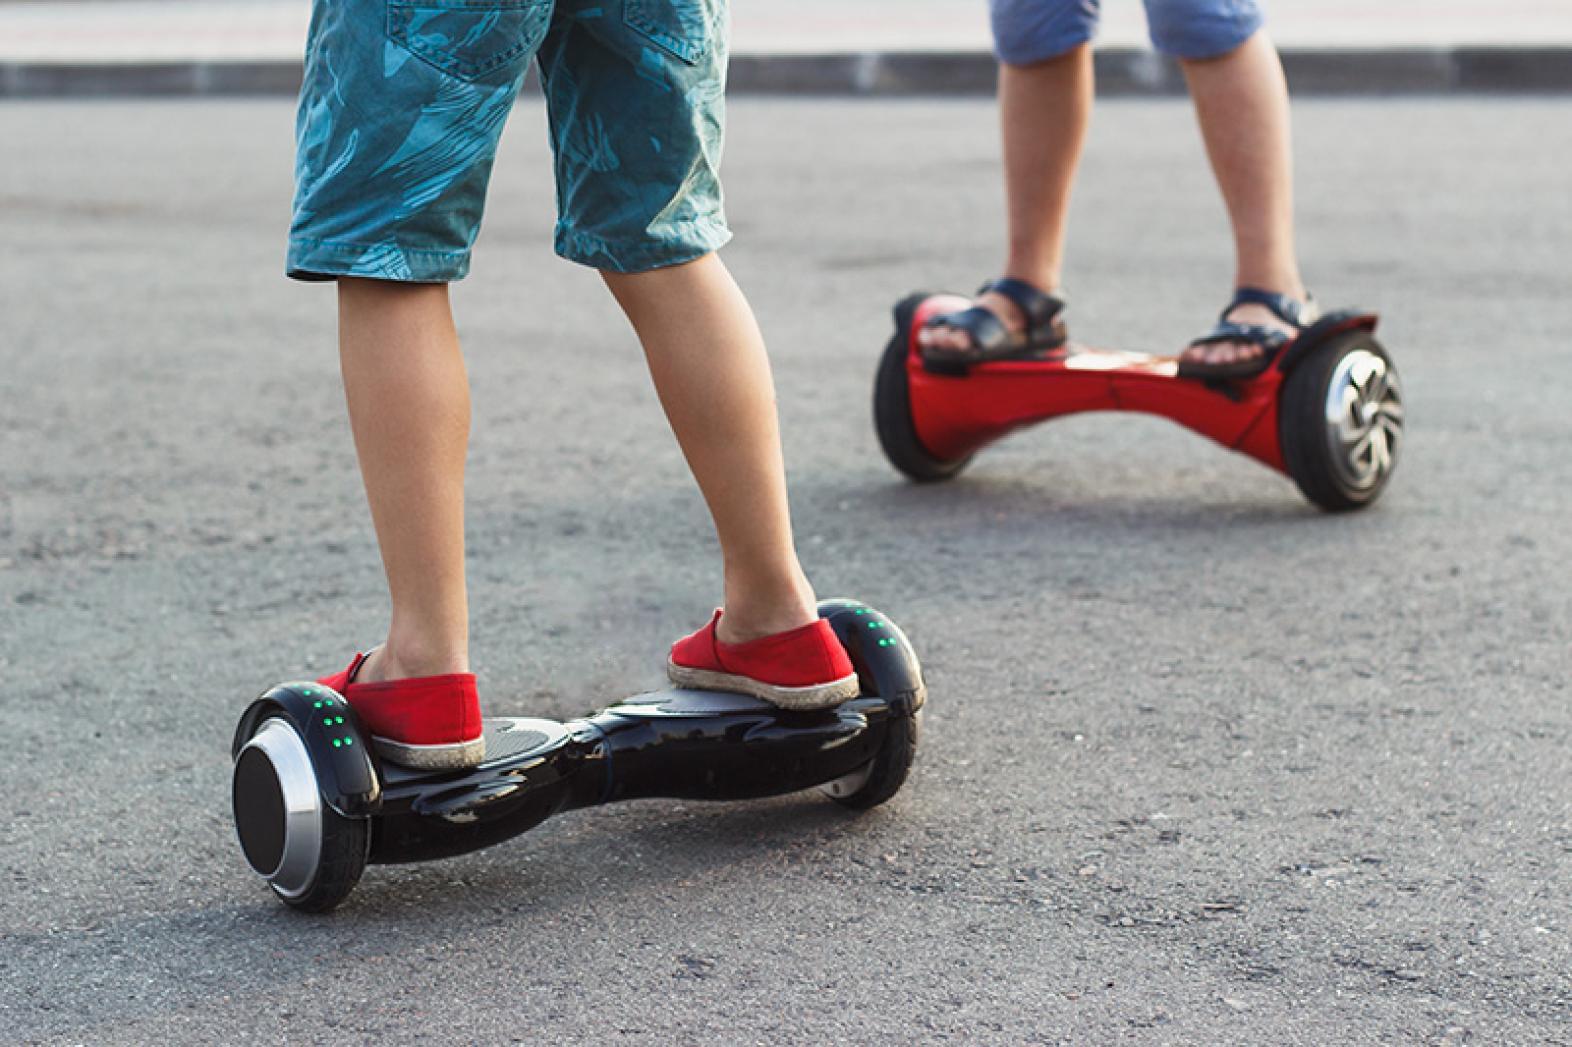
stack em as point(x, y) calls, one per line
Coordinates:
point(1026, 32)
point(1198, 29)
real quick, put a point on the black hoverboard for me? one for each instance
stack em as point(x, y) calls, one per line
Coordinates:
point(314, 804)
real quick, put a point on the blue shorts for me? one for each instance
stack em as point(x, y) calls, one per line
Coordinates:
point(404, 101)
point(1027, 31)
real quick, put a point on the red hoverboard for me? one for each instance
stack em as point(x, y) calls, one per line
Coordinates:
point(1328, 412)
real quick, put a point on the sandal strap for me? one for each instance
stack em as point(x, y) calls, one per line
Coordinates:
point(1040, 310)
point(1287, 309)
point(987, 331)
point(990, 338)
point(1268, 338)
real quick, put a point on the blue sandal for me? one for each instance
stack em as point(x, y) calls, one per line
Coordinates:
point(1296, 314)
point(990, 338)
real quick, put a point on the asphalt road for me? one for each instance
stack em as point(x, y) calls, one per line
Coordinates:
point(1201, 765)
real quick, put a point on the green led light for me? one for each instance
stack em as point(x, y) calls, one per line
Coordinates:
point(337, 743)
point(875, 625)
point(338, 719)
point(349, 741)
point(308, 692)
point(316, 705)
point(328, 720)
point(862, 610)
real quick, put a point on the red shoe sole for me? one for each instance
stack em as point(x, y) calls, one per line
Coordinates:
point(815, 696)
point(451, 756)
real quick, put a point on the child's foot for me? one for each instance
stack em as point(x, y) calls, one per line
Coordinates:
point(1251, 330)
point(802, 668)
point(429, 722)
point(1010, 319)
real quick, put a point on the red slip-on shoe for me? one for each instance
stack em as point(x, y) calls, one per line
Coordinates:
point(428, 722)
point(802, 668)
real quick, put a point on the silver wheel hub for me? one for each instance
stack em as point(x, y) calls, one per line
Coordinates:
point(1364, 418)
point(841, 788)
point(301, 850)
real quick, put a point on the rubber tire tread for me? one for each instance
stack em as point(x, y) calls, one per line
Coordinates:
point(345, 845)
point(892, 408)
point(1301, 427)
point(890, 767)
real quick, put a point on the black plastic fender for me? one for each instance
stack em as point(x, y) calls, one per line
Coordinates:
point(1337, 322)
point(340, 751)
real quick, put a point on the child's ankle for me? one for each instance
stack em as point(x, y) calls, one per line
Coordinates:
point(755, 617)
point(403, 660)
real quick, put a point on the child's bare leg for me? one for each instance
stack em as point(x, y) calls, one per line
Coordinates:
point(1044, 110)
point(707, 358)
point(409, 407)
point(1241, 101)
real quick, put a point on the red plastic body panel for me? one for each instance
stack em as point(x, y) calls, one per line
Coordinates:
point(955, 416)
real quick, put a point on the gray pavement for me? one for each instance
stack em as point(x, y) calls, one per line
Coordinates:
point(229, 47)
point(1201, 765)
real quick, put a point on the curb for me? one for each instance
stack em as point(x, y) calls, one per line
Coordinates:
point(1120, 72)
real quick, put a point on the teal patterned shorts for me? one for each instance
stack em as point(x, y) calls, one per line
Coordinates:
point(404, 101)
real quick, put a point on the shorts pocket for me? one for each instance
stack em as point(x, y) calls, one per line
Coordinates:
point(686, 28)
point(470, 38)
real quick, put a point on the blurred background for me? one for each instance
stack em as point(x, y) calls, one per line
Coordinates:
point(1201, 765)
point(133, 30)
